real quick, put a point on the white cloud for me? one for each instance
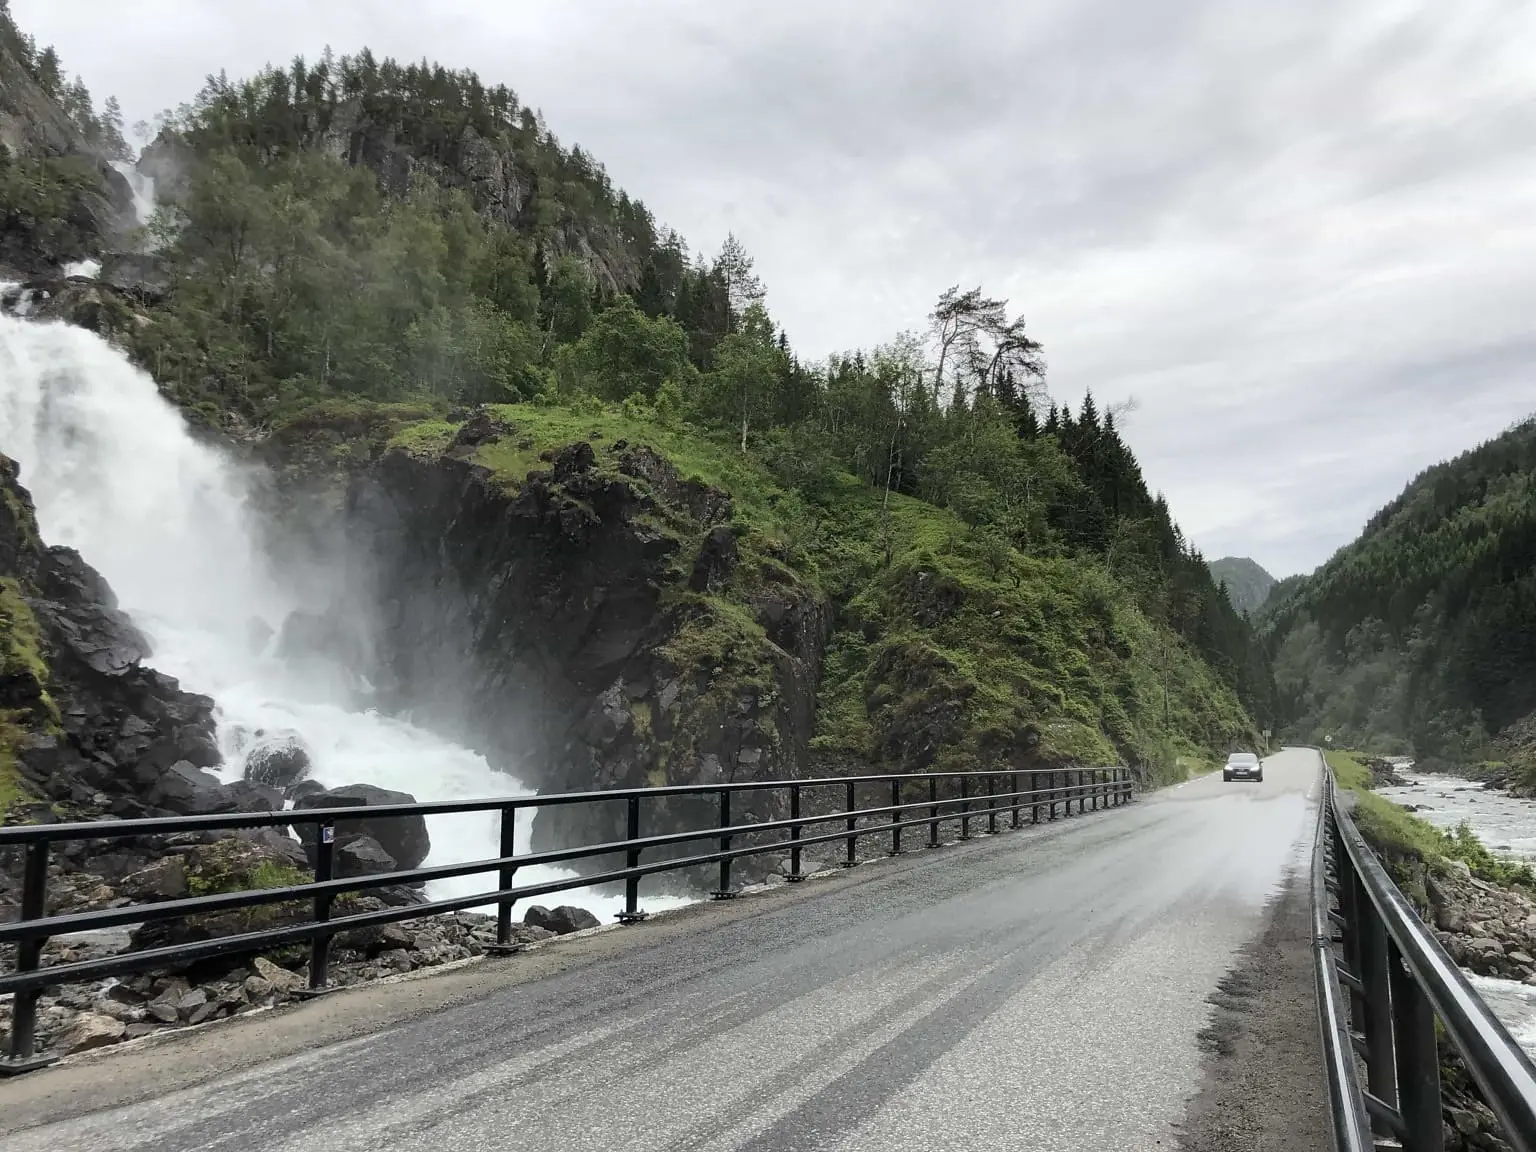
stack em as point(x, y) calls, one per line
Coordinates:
point(1301, 234)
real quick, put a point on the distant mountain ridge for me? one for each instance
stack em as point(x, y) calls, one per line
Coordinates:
point(1248, 584)
point(1419, 634)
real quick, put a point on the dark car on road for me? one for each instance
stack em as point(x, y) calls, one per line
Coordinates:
point(1243, 766)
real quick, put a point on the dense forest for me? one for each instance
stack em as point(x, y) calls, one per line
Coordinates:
point(356, 231)
point(1421, 635)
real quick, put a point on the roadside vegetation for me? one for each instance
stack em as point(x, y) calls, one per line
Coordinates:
point(1399, 836)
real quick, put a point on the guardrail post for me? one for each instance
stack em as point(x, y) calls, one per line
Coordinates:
point(632, 913)
point(1376, 1023)
point(991, 804)
point(1034, 796)
point(320, 945)
point(896, 817)
point(1082, 794)
point(34, 906)
point(853, 825)
point(1013, 787)
point(1347, 892)
point(724, 891)
point(933, 811)
point(965, 807)
point(794, 876)
point(1418, 1060)
point(504, 881)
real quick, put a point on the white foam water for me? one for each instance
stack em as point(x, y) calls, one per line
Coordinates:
point(167, 520)
point(143, 189)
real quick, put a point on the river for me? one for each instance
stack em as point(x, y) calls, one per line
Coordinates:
point(1507, 825)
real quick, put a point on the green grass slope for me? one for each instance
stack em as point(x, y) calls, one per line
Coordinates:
point(939, 639)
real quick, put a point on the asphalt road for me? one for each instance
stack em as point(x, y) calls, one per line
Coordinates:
point(1043, 989)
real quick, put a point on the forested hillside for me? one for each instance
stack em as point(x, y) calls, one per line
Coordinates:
point(1421, 635)
point(1248, 585)
point(350, 248)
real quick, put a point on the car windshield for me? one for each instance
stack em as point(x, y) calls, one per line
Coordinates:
point(1242, 758)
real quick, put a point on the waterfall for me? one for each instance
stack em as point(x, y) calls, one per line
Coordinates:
point(143, 188)
point(168, 521)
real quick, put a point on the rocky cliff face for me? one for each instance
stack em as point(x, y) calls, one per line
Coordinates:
point(89, 730)
point(76, 204)
point(589, 627)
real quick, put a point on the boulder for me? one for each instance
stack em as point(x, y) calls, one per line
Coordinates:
point(362, 856)
point(404, 838)
point(561, 921)
point(279, 761)
point(90, 1030)
point(279, 978)
point(165, 879)
point(249, 797)
point(190, 791)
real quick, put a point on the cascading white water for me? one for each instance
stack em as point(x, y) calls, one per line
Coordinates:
point(143, 189)
point(116, 475)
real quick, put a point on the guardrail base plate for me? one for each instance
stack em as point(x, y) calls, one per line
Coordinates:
point(632, 917)
point(505, 949)
point(313, 993)
point(724, 895)
point(30, 1064)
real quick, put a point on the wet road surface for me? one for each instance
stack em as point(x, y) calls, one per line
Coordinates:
point(1042, 989)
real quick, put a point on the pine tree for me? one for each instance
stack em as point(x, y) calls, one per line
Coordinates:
point(112, 141)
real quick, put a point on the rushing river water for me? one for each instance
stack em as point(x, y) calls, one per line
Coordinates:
point(1507, 825)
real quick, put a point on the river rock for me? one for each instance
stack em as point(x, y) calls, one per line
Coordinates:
point(280, 978)
point(165, 879)
point(404, 838)
point(277, 762)
point(562, 920)
point(91, 1030)
point(363, 856)
point(188, 790)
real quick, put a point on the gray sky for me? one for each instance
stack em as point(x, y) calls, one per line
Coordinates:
point(1301, 233)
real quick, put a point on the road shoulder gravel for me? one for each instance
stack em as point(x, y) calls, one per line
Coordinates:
point(1262, 1091)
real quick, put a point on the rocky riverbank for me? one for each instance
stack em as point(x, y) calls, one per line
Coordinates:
point(79, 1018)
point(1487, 928)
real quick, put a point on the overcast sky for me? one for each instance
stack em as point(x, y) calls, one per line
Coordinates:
point(1300, 233)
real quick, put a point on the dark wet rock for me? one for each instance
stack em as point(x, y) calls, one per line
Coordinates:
point(187, 790)
point(480, 428)
point(121, 739)
point(403, 838)
point(165, 879)
point(143, 275)
point(363, 856)
point(561, 589)
point(277, 762)
point(305, 788)
point(562, 921)
point(716, 560)
point(248, 797)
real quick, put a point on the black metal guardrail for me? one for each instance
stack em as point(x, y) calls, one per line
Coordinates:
point(977, 795)
point(1380, 995)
